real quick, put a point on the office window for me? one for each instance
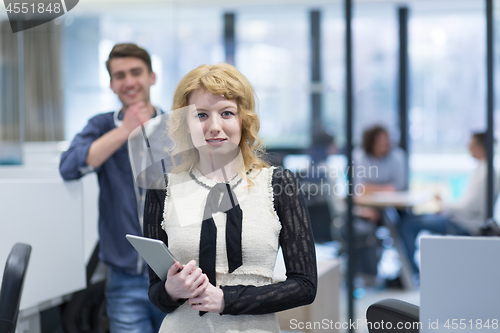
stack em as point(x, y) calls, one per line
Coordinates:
point(448, 80)
point(272, 51)
point(375, 66)
point(374, 42)
point(199, 39)
point(333, 72)
point(447, 51)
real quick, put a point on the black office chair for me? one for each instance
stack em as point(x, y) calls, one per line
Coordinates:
point(320, 210)
point(12, 286)
point(392, 315)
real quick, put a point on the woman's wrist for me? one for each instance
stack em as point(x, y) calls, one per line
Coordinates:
point(175, 299)
point(223, 304)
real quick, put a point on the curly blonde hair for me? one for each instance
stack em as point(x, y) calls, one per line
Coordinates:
point(221, 79)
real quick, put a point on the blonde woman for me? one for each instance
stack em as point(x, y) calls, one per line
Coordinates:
point(224, 215)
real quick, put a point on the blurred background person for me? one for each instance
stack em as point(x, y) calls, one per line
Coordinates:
point(464, 217)
point(101, 147)
point(323, 146)
point(321, 186)
point(377, 164)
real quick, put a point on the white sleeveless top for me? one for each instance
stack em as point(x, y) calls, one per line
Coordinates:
point(182, 218)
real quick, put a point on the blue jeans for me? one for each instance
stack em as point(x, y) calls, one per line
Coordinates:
point(128, 306)
point(411, 225)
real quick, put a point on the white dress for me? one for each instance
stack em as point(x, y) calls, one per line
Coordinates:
point(182, 219)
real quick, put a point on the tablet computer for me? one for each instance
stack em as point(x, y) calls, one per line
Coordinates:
point(155, 252)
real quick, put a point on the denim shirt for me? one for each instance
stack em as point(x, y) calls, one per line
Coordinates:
point(118, 212)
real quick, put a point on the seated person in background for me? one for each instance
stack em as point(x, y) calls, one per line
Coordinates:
point(379, 166)
point(464, 217)
point(323, 198)
point(323, 145)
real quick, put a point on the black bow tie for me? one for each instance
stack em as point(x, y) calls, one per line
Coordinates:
point(208, 239)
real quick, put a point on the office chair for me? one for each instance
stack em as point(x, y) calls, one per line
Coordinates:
point(12, 286)
point(392, 315)
point(320, 208)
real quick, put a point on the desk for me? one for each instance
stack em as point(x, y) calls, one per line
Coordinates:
point(398, 200)
point(325, 307)
point(388, 203)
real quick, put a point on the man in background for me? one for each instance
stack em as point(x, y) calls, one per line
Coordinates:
point(101, 147)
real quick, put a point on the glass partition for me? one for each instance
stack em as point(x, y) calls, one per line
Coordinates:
point(447, 51)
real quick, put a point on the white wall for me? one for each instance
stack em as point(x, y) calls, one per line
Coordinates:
point(57, 218)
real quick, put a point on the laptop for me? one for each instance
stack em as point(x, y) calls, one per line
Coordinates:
point(460, 284)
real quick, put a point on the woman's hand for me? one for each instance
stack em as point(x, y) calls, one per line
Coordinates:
point(185, 282)
point(211, 300)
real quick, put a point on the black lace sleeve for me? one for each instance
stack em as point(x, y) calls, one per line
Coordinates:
point(153, 216)
point(297, 243)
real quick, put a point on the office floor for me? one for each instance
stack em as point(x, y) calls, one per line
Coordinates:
point(368, 291)
point(371, 296)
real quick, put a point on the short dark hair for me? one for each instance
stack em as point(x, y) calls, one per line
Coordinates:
point(369, 136)
point(128, 50)
point(322, 138)
point(480, 138)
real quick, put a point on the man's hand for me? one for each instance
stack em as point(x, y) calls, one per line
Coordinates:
point(186, 283)
point(211, 300)
point(101, 149)
point(135, 115)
